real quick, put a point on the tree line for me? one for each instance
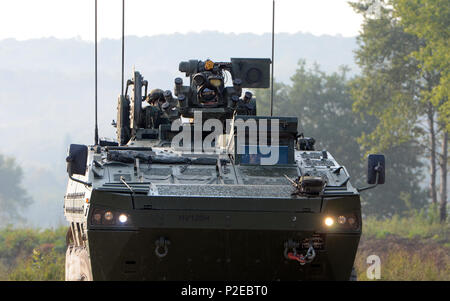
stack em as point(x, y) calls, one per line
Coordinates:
point(404, 55)
point(398, 104)
point(13, 196)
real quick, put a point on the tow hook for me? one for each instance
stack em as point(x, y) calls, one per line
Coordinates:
point(162, 247)
point(302, 259)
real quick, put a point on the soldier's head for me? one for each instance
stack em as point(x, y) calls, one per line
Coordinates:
point(155, 96)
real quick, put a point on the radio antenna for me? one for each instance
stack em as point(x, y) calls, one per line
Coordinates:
point(96, 124)
point(123, 42)
point(273, 52)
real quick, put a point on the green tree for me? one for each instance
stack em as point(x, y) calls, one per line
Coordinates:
point(262, 96)
point(323, 104)
point(44, 264)
point(394, 89)
point(32, 254)
point(430, 21)
point(13, 198)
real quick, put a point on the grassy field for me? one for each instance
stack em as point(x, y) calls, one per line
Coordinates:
point(32, 254)
point(414, 248)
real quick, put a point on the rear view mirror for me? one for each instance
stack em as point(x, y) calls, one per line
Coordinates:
point(77, 159)
point(376, 169)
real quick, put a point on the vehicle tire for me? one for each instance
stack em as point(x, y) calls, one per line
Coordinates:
point(69, 237)
point(353, 275)
point(77, 261)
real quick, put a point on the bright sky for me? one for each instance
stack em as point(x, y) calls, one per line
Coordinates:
point(25, 19)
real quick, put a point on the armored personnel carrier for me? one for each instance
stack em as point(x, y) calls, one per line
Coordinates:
point(199, 187)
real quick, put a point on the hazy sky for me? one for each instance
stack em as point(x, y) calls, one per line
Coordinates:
point(25, 19)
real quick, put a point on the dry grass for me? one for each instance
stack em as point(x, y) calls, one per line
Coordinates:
point(414, 248)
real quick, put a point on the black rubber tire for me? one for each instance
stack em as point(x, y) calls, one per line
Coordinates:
point(77, 264)
point(69, 237)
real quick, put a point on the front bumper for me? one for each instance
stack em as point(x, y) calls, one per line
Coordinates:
point(196, 254)
point(218, 245)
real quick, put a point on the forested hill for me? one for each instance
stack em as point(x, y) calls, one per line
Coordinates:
point(47, 91)
point(158, 56)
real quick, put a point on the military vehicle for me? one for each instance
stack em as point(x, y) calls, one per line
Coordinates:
point(156, 207)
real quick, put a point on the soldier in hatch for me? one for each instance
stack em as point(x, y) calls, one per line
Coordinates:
point(154, 114)
point(246, 105)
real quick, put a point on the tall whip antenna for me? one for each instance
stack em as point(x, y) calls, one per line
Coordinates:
point(123, 42)
point(96, 124)
point(273, 52)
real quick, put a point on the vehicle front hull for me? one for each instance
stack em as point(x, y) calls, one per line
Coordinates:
point(212, 254)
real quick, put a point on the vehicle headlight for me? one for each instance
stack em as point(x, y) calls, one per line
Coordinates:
point(123, 218)
point(329, 221)
point(109, 217)
point(351, 221)
point(97, 218)
point(344, 221)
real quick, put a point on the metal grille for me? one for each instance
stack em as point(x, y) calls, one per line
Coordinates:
point(282, 191)
point(141, 188)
